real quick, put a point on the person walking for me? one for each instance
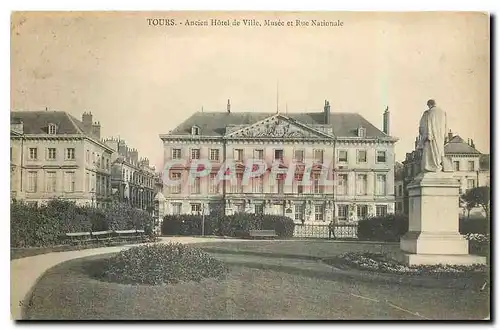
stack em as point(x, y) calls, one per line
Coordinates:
point(331, 229)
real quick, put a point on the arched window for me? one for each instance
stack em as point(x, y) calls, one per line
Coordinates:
point(52, 129)
point(195, 130)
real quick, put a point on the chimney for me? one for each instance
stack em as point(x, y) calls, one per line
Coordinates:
point(134, 156)
point(327, 112)
point(122, 149)
point(472, 143)
point(450, 135)
point(228, 106)
point(386, 128)
point(96, 130)
point(87, 122)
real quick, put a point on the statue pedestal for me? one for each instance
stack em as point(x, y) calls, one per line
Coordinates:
point(433, 235)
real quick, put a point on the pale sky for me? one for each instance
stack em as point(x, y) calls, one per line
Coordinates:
point(140, 81)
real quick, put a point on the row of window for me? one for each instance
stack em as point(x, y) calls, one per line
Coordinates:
point(51, 181)
point(279, 155)
point(278, 186)
point(51, 154)
point(98, 160)
point(319, 210)
point(131, 176)
point(470, 166)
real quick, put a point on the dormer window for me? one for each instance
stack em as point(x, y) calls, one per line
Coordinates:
point(52, 129)
point(361, 131)
point(195, 130)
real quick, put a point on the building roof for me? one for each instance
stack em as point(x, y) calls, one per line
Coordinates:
point(215, 123)
point(458, 146)
point(37, 122)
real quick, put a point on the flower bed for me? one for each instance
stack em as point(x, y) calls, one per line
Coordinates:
point(381, 263)
point(480, 238)
point(161, 264)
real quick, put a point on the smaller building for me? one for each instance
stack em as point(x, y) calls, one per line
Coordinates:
point(133, 180)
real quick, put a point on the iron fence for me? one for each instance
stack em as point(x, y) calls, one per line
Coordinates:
point(322, 231)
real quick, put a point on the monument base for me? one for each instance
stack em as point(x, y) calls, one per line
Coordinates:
point(433, 235)
point(413, 259)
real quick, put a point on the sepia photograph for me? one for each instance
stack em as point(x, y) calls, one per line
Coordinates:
point(250, 165)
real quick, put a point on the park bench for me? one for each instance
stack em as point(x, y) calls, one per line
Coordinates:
point(129, 234)
point(105, 236)
point(79, 238)
point(262, 233)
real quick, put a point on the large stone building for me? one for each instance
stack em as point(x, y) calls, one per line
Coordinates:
point(359, 157)
point(133, 180)
point(470, 167)
point(53, 154)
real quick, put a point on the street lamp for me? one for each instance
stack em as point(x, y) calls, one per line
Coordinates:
point(92, 194)
point(203, 219)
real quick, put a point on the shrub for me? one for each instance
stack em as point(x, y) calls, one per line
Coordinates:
point(44, 226)
point(161, 264)
point(474, 225)
point(236, 225)
point(388, 228)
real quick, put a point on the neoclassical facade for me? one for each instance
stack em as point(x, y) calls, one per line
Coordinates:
point(356, 157)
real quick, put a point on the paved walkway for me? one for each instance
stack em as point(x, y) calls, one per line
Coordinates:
point(25, 272)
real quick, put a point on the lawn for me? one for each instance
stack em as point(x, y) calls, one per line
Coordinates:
point(288, 285)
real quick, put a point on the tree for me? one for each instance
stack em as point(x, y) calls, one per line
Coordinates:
point(478, 196)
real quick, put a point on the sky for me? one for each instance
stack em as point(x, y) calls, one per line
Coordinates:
point(141, 80)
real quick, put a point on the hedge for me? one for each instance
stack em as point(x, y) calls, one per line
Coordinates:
point(391, 227)
point(44, 226)
point(237, 225)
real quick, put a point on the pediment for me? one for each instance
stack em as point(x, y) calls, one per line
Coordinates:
point(278, 126)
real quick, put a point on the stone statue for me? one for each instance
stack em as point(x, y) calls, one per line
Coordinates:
point(432, 132)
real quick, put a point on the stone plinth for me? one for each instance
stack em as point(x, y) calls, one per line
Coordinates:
point(433, 235)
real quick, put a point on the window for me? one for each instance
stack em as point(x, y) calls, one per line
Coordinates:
point(196, 209)
point(213, 185)
point(195, 153)
point(361, 132)
point(32, 181)
point(52, 129)
point(317, 187)
point(33, 153)
point(195, 188)
point(471, 166)
point(281, 185)
point(214, 154)
point(51, 153)
point(258, 154)
point(51, 182)
point(342, 184)
point(175, 188)
point(87, 181)
point(456, 166)
point(240, 207)
point(298, 182)
point(343, 156)
point(361, 184)
point(107, 164)
point(319, 212)
point(380, 156)
point(299, 156)
point(362, 211)
point(10, 153)
point(400, 189)
point(318, 156)
point(278, 154)
point(176, 208)
point(239, 183)
point(70, 153)
point(176, 153)
point(361, 156)
point(258, 184)
point(238, 155)
point(299, 212)
point(69, 181)
point(381, 184)
point(342, 212)
point(259, 209)
point(87, 156)
point(380, 210)
point(471, 183)
point(195, 130)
